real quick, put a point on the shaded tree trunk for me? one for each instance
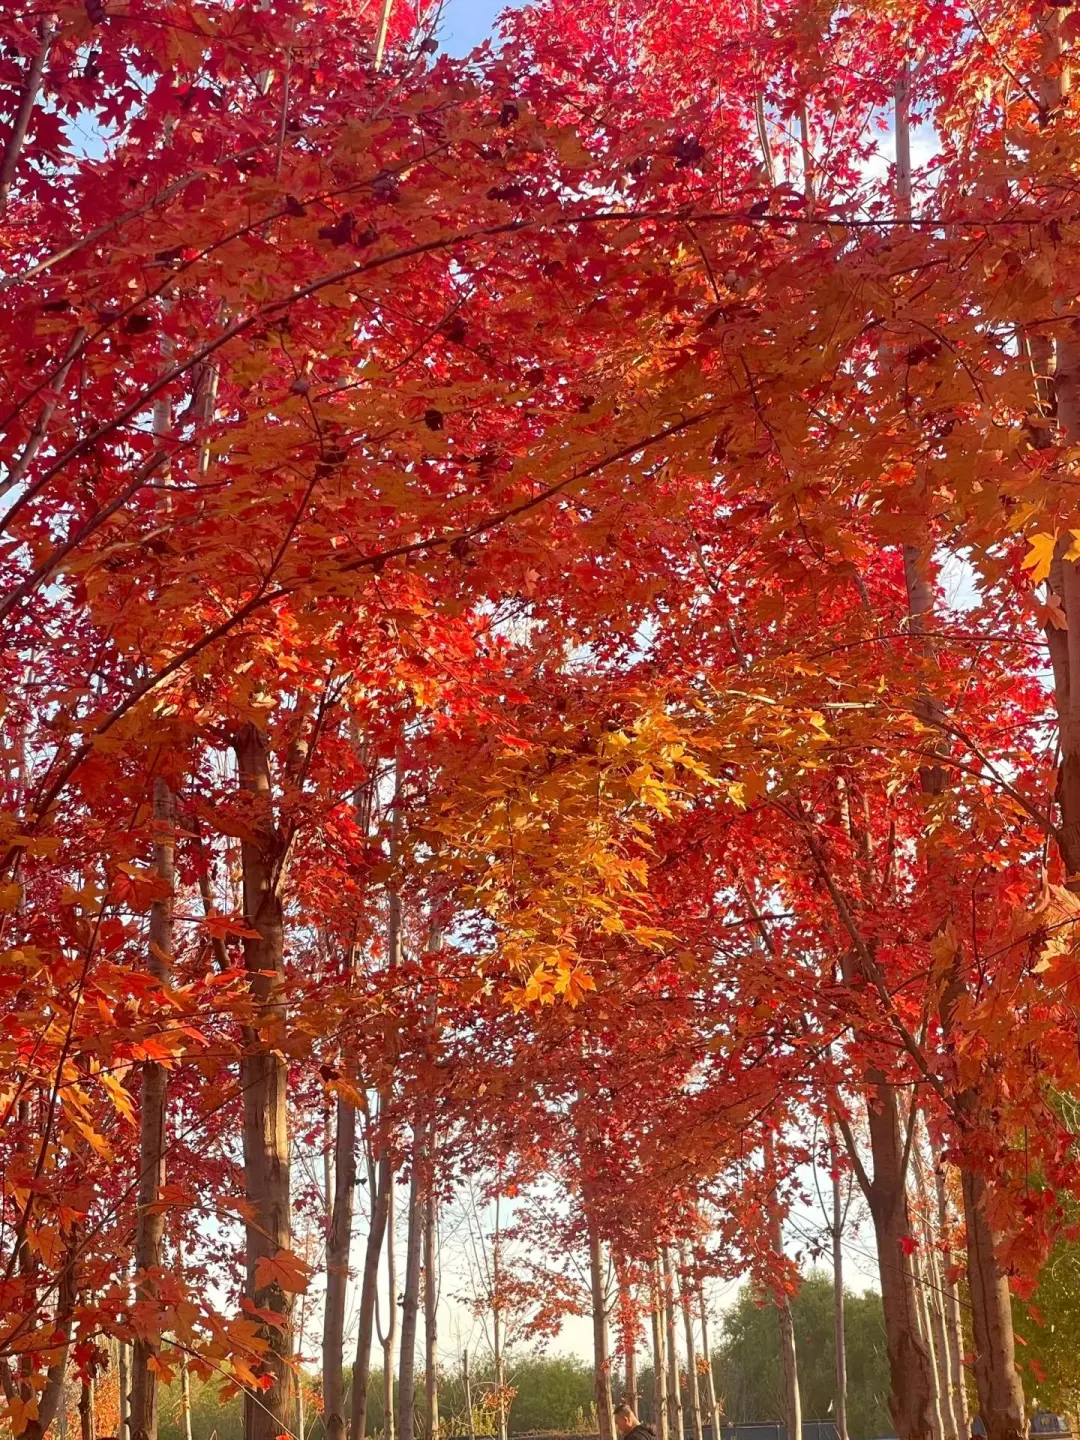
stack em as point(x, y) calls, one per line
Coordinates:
point(338, 1245)
point(675, 1409)
point(124, 1382)
point(605, 1409)
point(150, 1222)
point(381, 1190)
point(630, 1394)
point(264, 1081)
point(471, 1424)
point(410, 1304)
point(380, 1187)
point(910, 1366)
point(431, 1319)
point(87, 1422)
point(391, 1320)
point(52, 1398)
point(918, 1269)
point(710, 1378)
point(788, 1361)
point(693, 1393)
point(935, 1305)
point(660, 1368)
point(997, 1380)
point(951, 1305)
point(839, 1338)
point(496, 1321)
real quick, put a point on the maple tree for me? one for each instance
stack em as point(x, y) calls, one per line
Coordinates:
point(480, 681)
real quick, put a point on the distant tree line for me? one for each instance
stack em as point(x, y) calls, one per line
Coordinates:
point(554, 1393)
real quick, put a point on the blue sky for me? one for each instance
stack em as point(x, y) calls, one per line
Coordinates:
point(465, 23)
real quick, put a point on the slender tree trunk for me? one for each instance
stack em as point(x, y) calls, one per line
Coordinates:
point(630, 1394)
point(150, 1223)
point(53, 1397)
point(1064, 644)
point(710, 1378)
point(675, 1409)
point(391, 1321)
point(839, 1338)
point(471, 1425)
point(935, 1304)
point(788, 1361)
point(431, 1318)
point(123, 1380)
point(410, 1304)
point(338, 1244)
point(910, 1365)
point(660, 1367)
point(946, 1382)
point(693, 1392)
point(496, 1321)
point(951, 1303)
point(926, 1331)
point(381, 1187)
point(1001, 1396)
point(185, 1401)
point(87, 1425)
point(264, 1081)
point(605, 1409)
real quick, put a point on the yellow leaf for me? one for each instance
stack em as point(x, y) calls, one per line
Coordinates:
point(1038, 558)
point(1073, 552)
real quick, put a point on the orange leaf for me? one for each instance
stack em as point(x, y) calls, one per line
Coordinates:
point(285, 1270)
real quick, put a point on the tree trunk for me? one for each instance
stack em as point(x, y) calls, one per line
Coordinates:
point(264, 1081)
point(918, 1269)
point(910, 1366)
point(470, 1423)
point(124, 1382)
point(87, 1426)
point(710, 1378)
point(1064, 644)
point(788, 1361)
point(630, 1394)
point(605, 1409)
point(410, 1304)
point(951, 1305)
point(1001, 1396)
point(839, 1338)
point(935, 1304)
point(496, 1321)
point(660, 1368)
point(431, 1318)
point(150, 1224)
point(338, 1243)
point(381, 1186)
point(185, 1401)
point(692, 1390)
point(53, 1397)
point(675, 1409)
point(391, 1321)
point(381, 1189)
